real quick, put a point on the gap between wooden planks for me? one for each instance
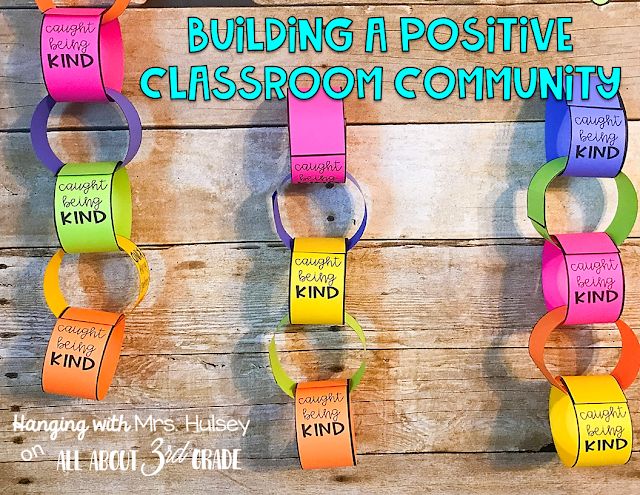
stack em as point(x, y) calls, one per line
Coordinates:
point(603, 37)
point(453, 181)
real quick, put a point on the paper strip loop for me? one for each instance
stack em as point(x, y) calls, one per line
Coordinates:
point(324, 424)
point(92, 206)
point(591, 424)
point(288, 385)
point(625, 371)
point(317, 281)
point(623, 220)
point(80, 56)
point(325, 435)
point(83, 353)
point(583, 272)
point(317, 139)
point(591, 133)
point(51, 284)
point(110, 14)
point(287, 240)
point(40, 139)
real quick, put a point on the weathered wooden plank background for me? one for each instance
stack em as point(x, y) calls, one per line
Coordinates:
point(446, 283)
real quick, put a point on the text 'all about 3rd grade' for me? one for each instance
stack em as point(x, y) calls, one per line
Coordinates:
point(184, 440)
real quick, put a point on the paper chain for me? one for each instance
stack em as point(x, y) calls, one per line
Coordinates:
point(317, 283)
point(92, 201)
point(583, 279)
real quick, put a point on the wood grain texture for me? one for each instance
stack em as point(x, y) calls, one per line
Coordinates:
point(445, 474)
point(602, 39)
point(448, 371)
point(445, 288)
point(409, 401)
point(458, 181)
point(227, 298)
